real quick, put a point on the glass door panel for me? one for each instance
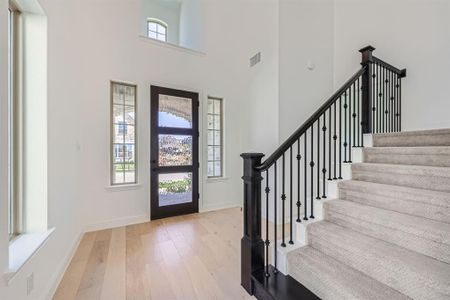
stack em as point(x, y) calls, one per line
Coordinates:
point(174, 152)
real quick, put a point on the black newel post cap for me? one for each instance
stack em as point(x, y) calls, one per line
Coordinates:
point(252, 155)
point(403, 73)
point(367, 48)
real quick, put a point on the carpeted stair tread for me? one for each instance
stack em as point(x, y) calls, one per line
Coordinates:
point(424, 156)
point(330, 279)
point(436, 137)
point(424, 177)
point(422, 235)
point(413, 274)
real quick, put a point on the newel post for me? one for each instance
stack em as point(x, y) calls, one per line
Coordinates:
point(367, 81)
point(252, 246)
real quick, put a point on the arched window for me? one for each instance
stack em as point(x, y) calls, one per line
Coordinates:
point(157, 30)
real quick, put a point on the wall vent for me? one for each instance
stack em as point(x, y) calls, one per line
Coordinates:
point(255, 59)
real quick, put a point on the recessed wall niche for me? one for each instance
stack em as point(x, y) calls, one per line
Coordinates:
point(177, 22)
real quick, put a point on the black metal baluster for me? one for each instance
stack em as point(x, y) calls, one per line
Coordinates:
point(388, 86)
point(388, 75)
point(384, 93)
point(275, 199)
point(381, 95)
point(386, 99)
point(283, 201)
point(340, 138)
point(360, 132)
point(400, 105)
point(324, 169)
point(329, 144)
point(318, 159)
point(267, 242)
point(290, 199)
point(375, 98)
point(392, 85)
point(305, 203)
point(374, 102)
point(299, 157)
point(380, 111)
point(350, 124)
point(345, 126)
point(397, 103)
point(311, 164)
point(354, 115)
point(335, 140)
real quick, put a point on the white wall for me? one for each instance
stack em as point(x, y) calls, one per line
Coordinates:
point(329, 33)
point(83, 56)
point(63, 169)
point(89, 47)
point(192, 27)
point(414, 34)
point(306, 37)
point(166, 11)
point(263, 98)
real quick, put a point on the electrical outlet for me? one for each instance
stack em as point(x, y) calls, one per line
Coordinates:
point(30, 283)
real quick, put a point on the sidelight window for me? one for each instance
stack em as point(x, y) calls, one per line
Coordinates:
point(123, 129)
point(215, 137)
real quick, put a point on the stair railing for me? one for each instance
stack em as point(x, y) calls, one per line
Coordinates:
point(369, 102)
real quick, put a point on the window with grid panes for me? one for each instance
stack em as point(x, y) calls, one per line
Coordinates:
point(157, 30)
point(123, 129)
point(215, 137)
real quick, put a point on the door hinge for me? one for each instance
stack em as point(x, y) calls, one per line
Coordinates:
point(198, 165)
point(198, 103)
point(198, 195)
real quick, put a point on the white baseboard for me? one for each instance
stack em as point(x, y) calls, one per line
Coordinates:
point(119, 222)
point(219, 207)
point(61, 270)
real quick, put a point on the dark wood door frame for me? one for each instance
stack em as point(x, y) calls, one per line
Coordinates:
point(156, 211)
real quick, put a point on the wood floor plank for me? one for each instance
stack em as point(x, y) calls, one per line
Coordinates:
point(187, 257)
point(176, 272)
point(135, 267)
point(73, 276)
point(91, 285)
point(114, 283)
point(204, 284)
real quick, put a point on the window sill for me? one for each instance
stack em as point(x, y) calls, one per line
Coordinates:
point(172, 46)
point(124, 187)
point(216, 179)
point(22, 250)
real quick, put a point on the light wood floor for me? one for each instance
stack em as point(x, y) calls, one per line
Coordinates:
point(188, 257)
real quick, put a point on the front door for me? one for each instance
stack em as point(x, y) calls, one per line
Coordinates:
point(174, 152)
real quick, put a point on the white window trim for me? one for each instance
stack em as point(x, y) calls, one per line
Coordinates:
point(162, 23)
point(15, 125)
point(224, 143)
point(125, 185)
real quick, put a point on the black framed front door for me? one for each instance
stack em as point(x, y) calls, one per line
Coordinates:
point(174, 152)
